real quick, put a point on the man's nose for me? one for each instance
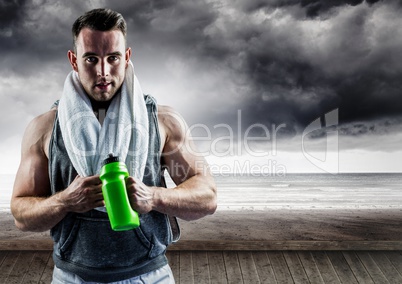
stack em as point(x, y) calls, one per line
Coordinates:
point(103, 68)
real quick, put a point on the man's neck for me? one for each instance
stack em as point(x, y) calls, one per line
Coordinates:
point(100, 109)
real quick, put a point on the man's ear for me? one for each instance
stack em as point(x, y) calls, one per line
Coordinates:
point(128, 55)
point(73, 60)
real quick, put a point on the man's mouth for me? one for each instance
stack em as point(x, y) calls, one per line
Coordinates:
point(103, 85)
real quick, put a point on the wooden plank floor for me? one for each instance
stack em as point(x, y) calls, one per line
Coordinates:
point(238, 266)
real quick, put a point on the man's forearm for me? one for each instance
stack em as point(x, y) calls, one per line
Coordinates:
point(37, 214)
point(191, 200)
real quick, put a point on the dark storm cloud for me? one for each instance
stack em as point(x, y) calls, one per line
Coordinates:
point(379, 127)
point(276, 61)
point(312, 8)
point(34, 34)
point(174, 24)
point(316, 7)
point(35, 37)
point(299, 67)
point(42, 29)
point(142, 14)
point(11, 12)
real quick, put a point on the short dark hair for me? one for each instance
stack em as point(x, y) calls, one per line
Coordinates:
point(101, 19)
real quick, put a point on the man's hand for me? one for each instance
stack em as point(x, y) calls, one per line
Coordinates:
point(140, 195)
point(83, 194)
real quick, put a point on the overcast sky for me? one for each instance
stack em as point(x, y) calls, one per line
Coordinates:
point(237, 63)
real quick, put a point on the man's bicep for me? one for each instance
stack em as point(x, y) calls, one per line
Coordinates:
point(181, 158)
point(181, 164)
point(32, 178)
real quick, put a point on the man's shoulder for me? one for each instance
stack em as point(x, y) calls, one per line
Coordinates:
point(41, 126)
point(172, 123)
point(169, 116)
point(164, 110)
point(44, 120)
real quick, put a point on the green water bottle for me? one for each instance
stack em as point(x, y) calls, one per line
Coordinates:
point(113, 176)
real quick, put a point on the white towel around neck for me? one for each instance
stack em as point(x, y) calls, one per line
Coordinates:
point(124, 131)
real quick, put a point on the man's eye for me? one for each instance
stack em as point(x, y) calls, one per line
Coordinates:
point(113, 58)
point(91, 59)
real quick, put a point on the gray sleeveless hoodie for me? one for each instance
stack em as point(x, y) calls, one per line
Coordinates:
point(85, 244)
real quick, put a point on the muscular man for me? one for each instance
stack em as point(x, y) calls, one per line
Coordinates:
point(49, 194)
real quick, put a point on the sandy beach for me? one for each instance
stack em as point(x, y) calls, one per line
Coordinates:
point(298, 224)
point(310, 207)
point(276, 224)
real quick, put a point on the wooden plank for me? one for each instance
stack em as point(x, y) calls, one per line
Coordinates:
point(48, 272)
point(235, 245)
point(217, 269)
point(264, 267)
point(267, 245)
point(310, 267)
point(396, 258)
point(20, 268)
point(174, 263)
point(37, 266)
point(8, 265)
point(386, 267)
point(186, 268)
point(233, 271)
point(3, 255)
point(375, 272)
point(238, 267)
point(31, 245)
point(280, 267)
point(359, 271)
point(200, 267)
point(341, 267)
point(247, 266)
point(324, 265)
point(295, 267)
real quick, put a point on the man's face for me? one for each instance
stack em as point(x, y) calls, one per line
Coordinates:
point(101, 60)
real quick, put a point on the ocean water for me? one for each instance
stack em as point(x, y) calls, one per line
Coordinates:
point(263, 192)
point(363, 190)
point(6, 187)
